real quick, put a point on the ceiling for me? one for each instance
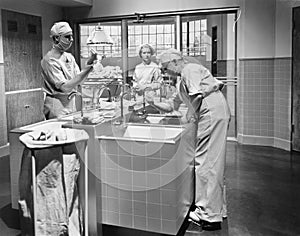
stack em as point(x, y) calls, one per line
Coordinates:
point(69, 3)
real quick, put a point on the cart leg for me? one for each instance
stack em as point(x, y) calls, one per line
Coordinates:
point(86, 195)
point(33, 167)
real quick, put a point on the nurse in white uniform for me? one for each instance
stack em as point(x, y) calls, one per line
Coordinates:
point(147, 74)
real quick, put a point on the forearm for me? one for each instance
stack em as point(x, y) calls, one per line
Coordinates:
point(71, 84)
point(84, 73)
point(155, 85)
point(157, 81)
point(163, 106)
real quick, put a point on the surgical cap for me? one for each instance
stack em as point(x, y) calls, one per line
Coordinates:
point(60, 28)
point(169, 55)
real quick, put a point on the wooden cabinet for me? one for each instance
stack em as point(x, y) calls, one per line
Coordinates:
point(22, 53)
point(24, 108)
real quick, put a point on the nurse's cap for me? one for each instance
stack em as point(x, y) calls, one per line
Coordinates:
point(60, 28)
point(169, 55)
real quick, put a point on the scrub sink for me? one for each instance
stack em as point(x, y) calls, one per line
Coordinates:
point(143, 132)
point(152, 132)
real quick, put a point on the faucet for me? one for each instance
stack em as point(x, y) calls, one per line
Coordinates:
point(122, 94)
point(76, 93)
point(160, 91)
point(101, 90)
point(144, 99)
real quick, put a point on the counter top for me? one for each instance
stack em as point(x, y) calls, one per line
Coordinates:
point(114, 125)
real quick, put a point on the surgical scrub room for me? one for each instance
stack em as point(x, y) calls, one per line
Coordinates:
point(149, 118)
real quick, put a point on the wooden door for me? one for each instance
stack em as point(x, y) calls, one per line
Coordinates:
point(214, 51)
point(296, 80)
point(22, 52)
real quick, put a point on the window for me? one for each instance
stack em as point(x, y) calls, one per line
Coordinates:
point(194, 41)
point(160, 36)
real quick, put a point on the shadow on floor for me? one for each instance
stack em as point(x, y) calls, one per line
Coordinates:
point(194, 230)
point(10, 217)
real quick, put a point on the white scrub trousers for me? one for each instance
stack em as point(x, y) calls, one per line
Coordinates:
point(210, 158)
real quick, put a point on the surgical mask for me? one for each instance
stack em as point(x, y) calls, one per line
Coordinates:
point(64, 44)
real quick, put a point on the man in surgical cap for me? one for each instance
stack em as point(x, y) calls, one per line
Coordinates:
point(60, 212)
point(61, 74)
point(208, 109)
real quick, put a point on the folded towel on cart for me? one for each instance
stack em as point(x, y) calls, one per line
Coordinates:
point(46, 138)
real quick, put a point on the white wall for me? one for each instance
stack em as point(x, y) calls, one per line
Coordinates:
point(265, 28)
point(122, 7)
point(257, 29)
point(284, 9)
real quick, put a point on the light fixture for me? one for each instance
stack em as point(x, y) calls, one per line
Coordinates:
point(99, 37)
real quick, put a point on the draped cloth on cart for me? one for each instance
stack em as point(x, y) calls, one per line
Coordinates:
point(58, 207)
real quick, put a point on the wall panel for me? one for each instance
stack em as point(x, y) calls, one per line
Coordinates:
point(3, 124)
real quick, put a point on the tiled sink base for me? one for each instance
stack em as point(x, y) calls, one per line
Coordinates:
point(144, 185)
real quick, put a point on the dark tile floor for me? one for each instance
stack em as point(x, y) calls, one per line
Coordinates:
point(263, 194)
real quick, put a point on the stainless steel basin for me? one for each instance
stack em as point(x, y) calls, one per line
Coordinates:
point(152, 132)
point(154, 119)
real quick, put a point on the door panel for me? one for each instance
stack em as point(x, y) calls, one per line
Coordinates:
point(24, 108)
point(296, 80)
point(22, 50)
point(214, 51)
point(22, 53)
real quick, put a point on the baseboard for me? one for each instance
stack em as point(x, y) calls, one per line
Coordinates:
point(255, 140)
point(4, 150)
point(231, 139)
point(283, 144)
point(264, 141)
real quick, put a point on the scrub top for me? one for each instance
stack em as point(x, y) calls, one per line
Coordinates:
point(147, 74)
point(198, 79)
point(55, 72)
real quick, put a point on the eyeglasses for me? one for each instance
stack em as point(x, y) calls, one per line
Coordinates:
point(168, 66)
point(69, 36)
point(164, 66)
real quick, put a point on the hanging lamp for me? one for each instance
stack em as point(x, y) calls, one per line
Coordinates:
point(99, 37)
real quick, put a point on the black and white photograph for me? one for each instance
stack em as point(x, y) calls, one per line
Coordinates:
point(149, 118)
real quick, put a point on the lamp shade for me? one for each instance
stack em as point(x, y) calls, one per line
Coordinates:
point(99, 37)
